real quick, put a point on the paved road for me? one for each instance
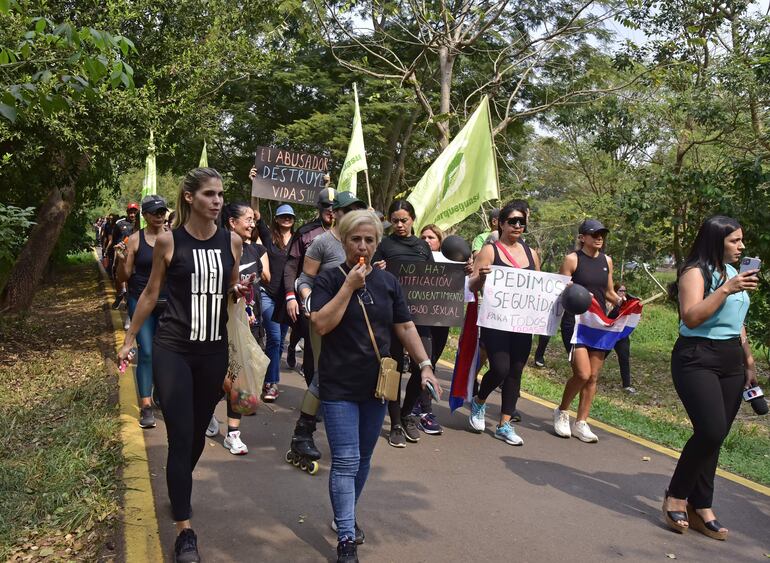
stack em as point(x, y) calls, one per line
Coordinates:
point(456, 497)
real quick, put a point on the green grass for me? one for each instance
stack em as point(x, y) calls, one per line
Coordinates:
point(60, 451)
point(654, 412)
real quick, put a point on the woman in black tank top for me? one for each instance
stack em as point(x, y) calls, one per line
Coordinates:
point(199, 262)
point(134, 263)
point(507, 351)
point(592, 269)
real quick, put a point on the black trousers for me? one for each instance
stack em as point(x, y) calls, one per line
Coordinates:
point(508, 353)
point(623, 350)
point(708, 377)
point(414, 388)
point(189, 387)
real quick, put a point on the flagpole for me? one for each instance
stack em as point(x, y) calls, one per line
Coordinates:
point(494, 149)
point(368, 189)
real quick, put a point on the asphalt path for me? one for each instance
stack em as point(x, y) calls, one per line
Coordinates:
point(456, 497)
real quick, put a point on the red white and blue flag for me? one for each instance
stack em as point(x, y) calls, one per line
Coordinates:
point(466, 359)
point(596, 330)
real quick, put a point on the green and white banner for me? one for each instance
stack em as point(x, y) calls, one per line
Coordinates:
point(461, 178)
point(355, 161)
point(150, 183)
point(204, 161)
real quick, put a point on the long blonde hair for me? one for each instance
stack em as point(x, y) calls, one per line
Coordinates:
point(192, 182)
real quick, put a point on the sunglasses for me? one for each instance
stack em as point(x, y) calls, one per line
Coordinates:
point(285, 217)
point(403, 220)
point(325, 205)
point(158, 212)
point(517, 222)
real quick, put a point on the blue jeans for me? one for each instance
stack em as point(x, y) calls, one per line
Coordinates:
point(352, 430)
point(144, 344)
point(276, 336)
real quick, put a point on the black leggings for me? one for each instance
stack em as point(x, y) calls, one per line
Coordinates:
point(414, 386)
point(623, 350)
point(508, 353)
point(189, 387)
point(708, 376)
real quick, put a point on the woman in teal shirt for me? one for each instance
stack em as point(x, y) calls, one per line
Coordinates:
point(711, 364)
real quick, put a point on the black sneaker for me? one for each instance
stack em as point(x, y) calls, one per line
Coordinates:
point(539, 362)
point(347, 551)
point(186, 547)
point(396, 437)
point(410, 427)
point(146, 417)
point(360, 536)
point(118, 298)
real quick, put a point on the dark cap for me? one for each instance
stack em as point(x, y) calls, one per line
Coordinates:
point(326, 197)
point(151, 203)
point(346, 199)
point(592, 226)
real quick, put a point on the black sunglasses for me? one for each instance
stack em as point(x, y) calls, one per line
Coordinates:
point(325, 205)
point(158, 212)
point(517, 221)
point(287, 216)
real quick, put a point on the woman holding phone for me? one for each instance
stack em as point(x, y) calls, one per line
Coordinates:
point(711, 364)
point(198, 260)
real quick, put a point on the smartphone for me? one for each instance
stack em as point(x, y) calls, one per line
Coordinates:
point(749, 264)
point(248, 279)
point(431, 390)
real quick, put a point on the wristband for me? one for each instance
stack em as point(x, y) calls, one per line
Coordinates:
point(290, 296)
point(425, 363)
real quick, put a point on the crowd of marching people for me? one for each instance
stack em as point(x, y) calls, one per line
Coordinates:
point(326, 281)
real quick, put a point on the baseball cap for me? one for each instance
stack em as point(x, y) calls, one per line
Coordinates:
point(346, 199)
point(285, 209)
point(326, 197)
point(591, 226)
point(132, 205)
point(152, 203)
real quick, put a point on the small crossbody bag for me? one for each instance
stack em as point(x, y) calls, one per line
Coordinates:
point(388, 377)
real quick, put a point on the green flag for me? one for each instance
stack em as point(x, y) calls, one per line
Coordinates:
point(204, 162)
point(150, 183)
point(461, 178)
point(355, 161)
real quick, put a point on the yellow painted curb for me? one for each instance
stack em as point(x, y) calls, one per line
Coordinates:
point(141, 539)
point(757, 487)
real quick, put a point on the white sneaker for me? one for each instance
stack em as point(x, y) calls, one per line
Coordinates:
point(476, 418)
point(561, 423)
point(213, 428)
point(233, 443)
point(582, 432)
point(127, 324)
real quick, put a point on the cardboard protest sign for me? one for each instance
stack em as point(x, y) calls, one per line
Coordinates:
point(434, 291)
point(518, 300)
point(285, 175)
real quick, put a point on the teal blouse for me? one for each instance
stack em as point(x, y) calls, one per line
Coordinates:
point(727, 321)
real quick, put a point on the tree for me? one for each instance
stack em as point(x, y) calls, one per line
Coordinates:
point(60, 84)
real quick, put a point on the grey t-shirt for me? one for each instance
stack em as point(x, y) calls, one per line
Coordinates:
point(325, 249)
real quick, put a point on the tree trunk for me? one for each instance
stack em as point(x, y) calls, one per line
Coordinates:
point(446, 62)
point(30, 266)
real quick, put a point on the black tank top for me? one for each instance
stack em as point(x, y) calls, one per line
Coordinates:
point(499, 262)
point(197, 281)
point(142, 268)
point(593, 274)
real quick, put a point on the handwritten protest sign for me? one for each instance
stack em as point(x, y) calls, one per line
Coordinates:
point(517, 300)
point(434, 291)
point(285, 175)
